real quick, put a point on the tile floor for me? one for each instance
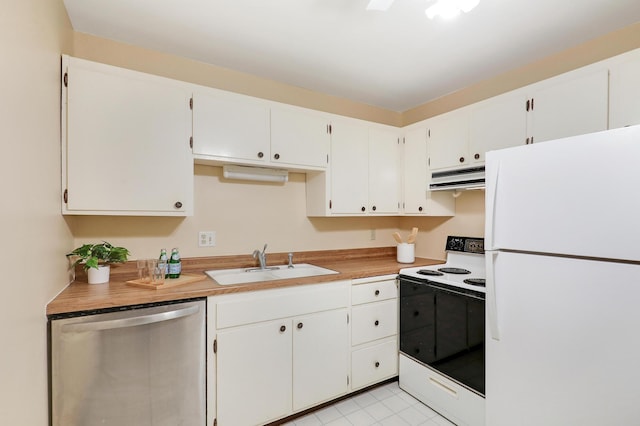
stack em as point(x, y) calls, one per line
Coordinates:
point(386, 405)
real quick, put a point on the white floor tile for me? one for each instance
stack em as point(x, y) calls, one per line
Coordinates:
point(361, 418)
point(308, 420)
point(378, 411)
point(364, 399)
point(328, 414)
point(347, 406)
point(342, 421)
point(395, 403)
point(413, 416)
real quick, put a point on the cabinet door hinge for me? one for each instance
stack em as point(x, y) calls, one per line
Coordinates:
point(429, 133)
point(215, 422)
point(347, 380)
point(347, 318)
point(327, 158)
point(65, 79)
point(215, 346)
point(429, 161)
point(330, 129)
point(191, 103)
point(191, 142)
point(65, 196)
point(531, 104)
point(403, 141)
point(398, 141)
point(330, 204)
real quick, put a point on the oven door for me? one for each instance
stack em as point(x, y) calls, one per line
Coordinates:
point(443, 327)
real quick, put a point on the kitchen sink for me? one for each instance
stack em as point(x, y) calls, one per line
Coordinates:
point(254, 275)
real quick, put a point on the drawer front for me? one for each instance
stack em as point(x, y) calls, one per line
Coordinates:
point(373, 292)
point(374, 363)
point(374, 321)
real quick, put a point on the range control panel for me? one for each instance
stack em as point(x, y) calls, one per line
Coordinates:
point(465, 244)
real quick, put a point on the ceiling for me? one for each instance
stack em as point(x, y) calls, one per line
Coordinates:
point(395, 60)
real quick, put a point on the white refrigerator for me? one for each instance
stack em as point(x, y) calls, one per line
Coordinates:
point(562, 240)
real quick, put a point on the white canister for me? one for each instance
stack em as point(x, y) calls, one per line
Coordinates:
point(406, 253)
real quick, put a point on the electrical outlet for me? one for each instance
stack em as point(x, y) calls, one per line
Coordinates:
point(206, 239)
point(373, 234)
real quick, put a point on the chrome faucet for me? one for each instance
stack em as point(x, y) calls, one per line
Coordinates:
point(261, 256)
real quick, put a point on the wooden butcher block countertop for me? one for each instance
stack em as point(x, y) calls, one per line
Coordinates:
point(350, 264)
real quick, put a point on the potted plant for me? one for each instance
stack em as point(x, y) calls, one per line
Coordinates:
point(96, 260)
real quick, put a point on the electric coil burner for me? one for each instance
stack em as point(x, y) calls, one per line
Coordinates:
point(459, 271)
point(442, 332)
point(429, 272)
point(475, 281)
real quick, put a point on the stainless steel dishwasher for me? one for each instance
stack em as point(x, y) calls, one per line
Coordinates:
point(141, 366)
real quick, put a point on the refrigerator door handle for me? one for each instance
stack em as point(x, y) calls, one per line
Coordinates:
point(491, 194)
point(130, 322)
point(492, 306)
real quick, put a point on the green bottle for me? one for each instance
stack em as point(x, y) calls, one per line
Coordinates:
point(165, 259)
point(175, 266)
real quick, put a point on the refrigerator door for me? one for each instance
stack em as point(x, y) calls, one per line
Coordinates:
point(575, 196)
point(568, 343)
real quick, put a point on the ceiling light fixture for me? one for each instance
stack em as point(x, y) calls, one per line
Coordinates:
point(260, 174)
point(448, 9)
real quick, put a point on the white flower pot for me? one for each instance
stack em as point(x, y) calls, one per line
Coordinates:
point(98, 276)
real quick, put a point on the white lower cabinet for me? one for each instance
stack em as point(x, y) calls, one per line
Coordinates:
point(279, 351)
point(374, 330)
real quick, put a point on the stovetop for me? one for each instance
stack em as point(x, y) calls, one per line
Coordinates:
point(462, 253)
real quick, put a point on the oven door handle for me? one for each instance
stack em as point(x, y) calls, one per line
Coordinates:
point(492, 305)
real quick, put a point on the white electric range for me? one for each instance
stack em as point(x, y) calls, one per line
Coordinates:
point(442, 332)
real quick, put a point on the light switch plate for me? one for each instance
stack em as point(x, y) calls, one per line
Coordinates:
point(206, 239)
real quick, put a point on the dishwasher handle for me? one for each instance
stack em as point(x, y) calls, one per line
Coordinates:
point(131, 322)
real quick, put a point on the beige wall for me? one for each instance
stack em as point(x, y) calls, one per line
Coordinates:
point(33, 234)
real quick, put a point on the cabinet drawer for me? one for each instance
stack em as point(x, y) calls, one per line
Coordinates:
point(373, 292)
point(374, 363)
point(374, 321)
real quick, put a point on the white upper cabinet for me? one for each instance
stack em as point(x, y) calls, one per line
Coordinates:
point(349, 187)
point(571, 104)
point(384, 171)
point(125, 142)
point(624, 90)
point(299, 138)
point(417, 200)
point(448, 144)
point(364, 173)
point(231, 127)
point(499, 122)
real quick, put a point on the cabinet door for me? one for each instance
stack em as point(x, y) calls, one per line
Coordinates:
point(349, 168)
point(448, 140)
point(299, 139)
point(254, 373)
point(417, 199)
point(573, 106)
point(320, 358)
point(126, 149)
point(230, 126)
point(624, 107)
point(497, 123)
point(384, 172)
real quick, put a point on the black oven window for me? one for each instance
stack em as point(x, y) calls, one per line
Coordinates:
point(445, 330)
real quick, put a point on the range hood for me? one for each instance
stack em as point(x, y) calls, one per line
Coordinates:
point(467, 178)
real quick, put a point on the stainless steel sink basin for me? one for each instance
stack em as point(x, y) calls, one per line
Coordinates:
point(250, 275)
